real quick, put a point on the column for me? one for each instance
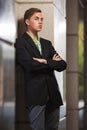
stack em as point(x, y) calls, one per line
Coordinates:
point(72, 61)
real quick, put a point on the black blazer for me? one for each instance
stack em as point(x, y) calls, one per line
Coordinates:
point(40, 81)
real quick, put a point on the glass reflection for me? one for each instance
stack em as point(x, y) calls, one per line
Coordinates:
point(7, 20)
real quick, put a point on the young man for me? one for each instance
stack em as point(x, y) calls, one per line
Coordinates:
point(39, 59)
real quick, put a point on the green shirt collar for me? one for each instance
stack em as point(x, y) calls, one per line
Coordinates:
point(33, 38)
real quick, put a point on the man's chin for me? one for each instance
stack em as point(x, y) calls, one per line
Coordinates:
point(39, 30)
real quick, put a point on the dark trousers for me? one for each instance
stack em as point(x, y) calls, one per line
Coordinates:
point(40, 119)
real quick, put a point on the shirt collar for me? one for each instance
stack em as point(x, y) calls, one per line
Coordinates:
point(33, 37)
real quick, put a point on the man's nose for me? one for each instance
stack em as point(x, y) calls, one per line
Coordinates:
point(40, 20)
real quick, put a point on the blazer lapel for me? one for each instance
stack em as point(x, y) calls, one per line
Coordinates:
point(43, 48)
point(32, 44)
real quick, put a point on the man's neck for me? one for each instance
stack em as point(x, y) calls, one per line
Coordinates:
point(34, 35)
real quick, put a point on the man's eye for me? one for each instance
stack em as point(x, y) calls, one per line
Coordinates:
point(41, 19)
point(36, 18)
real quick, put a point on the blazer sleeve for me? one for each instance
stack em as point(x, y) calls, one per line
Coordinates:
point(55, 65)
point(25, 59)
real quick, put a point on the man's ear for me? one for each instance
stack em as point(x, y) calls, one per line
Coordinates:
point(27, 22)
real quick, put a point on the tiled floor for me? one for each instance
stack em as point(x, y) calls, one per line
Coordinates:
point(7, 121)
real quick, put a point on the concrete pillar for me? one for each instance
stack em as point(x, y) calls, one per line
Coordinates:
point(72, 61)
point(54, 29)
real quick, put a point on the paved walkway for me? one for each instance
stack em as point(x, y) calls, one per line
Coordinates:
point(7, 121)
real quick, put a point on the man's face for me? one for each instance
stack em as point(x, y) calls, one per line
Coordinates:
point(35, 22)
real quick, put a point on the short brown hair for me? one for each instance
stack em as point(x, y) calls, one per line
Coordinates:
point(28, 13)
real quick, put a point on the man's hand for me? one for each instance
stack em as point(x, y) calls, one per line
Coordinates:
point(40, 60)
point(56, 57)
